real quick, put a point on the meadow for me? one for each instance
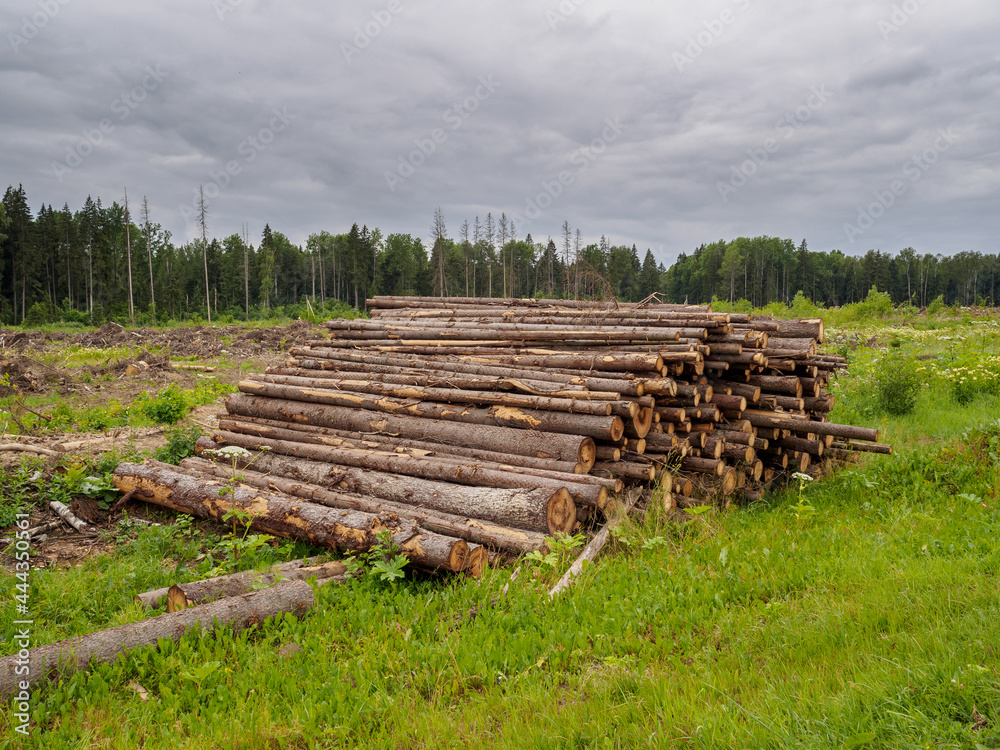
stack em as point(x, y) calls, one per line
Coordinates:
point(858, 611)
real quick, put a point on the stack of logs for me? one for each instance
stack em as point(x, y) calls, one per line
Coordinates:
point(466, 426)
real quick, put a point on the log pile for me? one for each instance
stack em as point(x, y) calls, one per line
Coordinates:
point(496, 423)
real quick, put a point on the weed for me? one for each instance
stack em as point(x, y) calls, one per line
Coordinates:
point(167, 407)
point(180, 444)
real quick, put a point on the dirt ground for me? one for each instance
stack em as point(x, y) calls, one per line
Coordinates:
point(30, 366)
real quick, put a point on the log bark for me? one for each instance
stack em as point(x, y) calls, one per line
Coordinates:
point(478, 474)
point(157, 597)
point(542, 509)
point(446, 395)
point(487, 437)
point(336, 359)
point(461, 526)
point(806, 426)
point(347, 439)
point(269, 512)
point(184, 595)
point(603, 428)
point(431, 378)
point(103, 647)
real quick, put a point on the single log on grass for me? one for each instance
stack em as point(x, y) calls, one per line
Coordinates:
point(156, 597)
point(487, 437)
point(472, 530)
point(183, 595)
point(104, 647)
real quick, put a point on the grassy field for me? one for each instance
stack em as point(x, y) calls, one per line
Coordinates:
point(861, 611)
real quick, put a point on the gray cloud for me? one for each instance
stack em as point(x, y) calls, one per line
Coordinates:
point(698, 89)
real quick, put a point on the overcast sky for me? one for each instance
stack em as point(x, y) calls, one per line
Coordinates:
point(855, 125)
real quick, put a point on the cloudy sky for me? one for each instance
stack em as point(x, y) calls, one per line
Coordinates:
point(855, 125)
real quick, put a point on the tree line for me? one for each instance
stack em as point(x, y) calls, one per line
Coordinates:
point(114, 262)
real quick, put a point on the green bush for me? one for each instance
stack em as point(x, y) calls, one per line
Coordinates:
point(897, 383)
point(180, 445)
point(169, 406)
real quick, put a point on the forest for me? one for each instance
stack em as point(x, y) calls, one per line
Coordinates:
point(115, 262)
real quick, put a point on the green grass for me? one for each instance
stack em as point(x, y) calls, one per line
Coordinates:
point(863, 612)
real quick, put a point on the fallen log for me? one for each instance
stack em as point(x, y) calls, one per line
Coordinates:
point(70, 517)
point(184, 595)
point(156, 597)
point(25, 448)
point(104, 647)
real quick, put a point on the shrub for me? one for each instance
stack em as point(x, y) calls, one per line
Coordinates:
point(167, 407)
point(897, 383)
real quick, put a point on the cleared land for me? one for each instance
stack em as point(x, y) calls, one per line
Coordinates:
point(860, 611)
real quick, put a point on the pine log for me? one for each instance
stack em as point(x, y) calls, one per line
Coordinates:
point(487, 437)
point(105, 646)
point(793, 424)
point(352, 440)
point(522, 501)
point(270, 513)
point(156, 597)
point(604, 428)
point(446, 395)
point(347, 379)
point(587, 489)
point(285, 516)
point(461, 526)
point(383, 363)
point(184, 595)
point(704, 465)
point(885, 450)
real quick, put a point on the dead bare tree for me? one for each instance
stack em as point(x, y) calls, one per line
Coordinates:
point(147, 229)
point(128, 258)
point(203, 223)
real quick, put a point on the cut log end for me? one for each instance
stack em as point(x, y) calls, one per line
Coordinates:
point(561, 512)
